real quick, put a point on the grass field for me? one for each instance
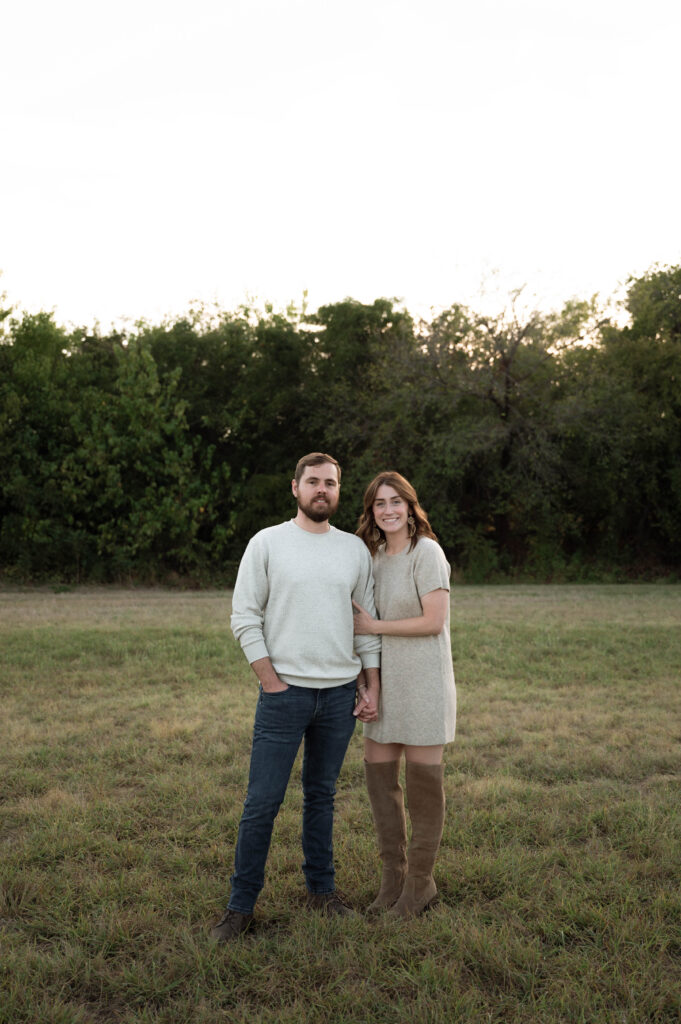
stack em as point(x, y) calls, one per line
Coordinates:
point(124, 743)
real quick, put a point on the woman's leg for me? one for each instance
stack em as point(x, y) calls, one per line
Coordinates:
point(375, 753)
point(424, 755)
point(382, 773)
point(426, 803)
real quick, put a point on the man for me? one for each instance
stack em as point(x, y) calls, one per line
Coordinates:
point(293, 616)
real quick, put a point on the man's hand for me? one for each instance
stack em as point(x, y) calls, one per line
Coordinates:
point(267, 677)
point(279, 688)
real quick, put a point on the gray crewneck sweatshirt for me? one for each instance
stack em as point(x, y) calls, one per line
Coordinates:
point(293, 603)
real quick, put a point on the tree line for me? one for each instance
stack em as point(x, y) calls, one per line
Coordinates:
point(543, 445)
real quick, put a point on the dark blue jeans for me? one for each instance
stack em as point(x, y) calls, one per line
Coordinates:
point(323, 720)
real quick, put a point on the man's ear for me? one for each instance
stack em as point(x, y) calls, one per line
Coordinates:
point(294, 488)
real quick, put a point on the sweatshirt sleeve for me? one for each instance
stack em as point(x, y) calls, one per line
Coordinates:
point(251, 593)
point(367, 647)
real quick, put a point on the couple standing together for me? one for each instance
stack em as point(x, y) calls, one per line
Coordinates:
point(303, 590)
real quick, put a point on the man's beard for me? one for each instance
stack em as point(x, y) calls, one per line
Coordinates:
point(318, 513)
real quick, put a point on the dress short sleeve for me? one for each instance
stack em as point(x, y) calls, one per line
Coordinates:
point(431, 568)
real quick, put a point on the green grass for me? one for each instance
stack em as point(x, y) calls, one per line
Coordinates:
point(124, 742)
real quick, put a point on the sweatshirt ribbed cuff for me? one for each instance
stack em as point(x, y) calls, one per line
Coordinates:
point(255, 650)
point(370, 660)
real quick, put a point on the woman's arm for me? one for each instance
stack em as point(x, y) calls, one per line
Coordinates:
point(431, 623)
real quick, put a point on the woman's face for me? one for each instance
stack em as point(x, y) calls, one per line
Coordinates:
point(390, 512)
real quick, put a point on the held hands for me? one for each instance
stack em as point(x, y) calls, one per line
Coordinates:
point(363, 623)
point(366, 708)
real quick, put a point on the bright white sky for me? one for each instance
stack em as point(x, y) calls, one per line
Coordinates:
point(156, 152)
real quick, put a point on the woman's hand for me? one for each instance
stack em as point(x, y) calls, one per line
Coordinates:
point(363, 622)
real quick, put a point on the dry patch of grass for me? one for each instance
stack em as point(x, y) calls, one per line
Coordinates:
point(111, 608)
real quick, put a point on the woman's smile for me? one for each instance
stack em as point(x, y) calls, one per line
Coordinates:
point(390, 511)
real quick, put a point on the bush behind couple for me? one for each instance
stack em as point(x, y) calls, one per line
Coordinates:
point(317, 612)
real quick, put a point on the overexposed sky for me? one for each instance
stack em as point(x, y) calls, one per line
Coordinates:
point(156, 152)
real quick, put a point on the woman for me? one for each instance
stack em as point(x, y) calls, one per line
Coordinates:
point(417, 698)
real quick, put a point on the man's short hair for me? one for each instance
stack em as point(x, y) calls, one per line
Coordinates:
point(315, 459)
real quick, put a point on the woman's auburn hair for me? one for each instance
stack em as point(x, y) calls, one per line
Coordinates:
point(367, 529)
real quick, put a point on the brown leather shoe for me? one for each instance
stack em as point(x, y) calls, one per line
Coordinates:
point(231, 925)
point(329, 903)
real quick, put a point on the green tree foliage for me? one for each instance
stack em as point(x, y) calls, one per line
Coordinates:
point(130, 482)
point(642, 364)
point(352, 401)
point(36, 402)
point(242, 378)
point(544, 443)
point(488, 386)
point(654, 302)
point(98, 463)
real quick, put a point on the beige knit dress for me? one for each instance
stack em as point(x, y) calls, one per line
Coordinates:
point(418, 695)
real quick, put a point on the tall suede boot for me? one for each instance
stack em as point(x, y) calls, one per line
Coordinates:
point(387, 807)
point(426, 802)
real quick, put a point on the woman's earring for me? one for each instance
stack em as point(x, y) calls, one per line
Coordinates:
point(412, 525)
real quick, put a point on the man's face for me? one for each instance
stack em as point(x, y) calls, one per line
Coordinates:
point(318, 492)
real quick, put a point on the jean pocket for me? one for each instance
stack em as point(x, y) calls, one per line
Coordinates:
point(272, 695)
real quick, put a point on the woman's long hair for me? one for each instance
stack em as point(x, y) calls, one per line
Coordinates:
point(370, 532)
